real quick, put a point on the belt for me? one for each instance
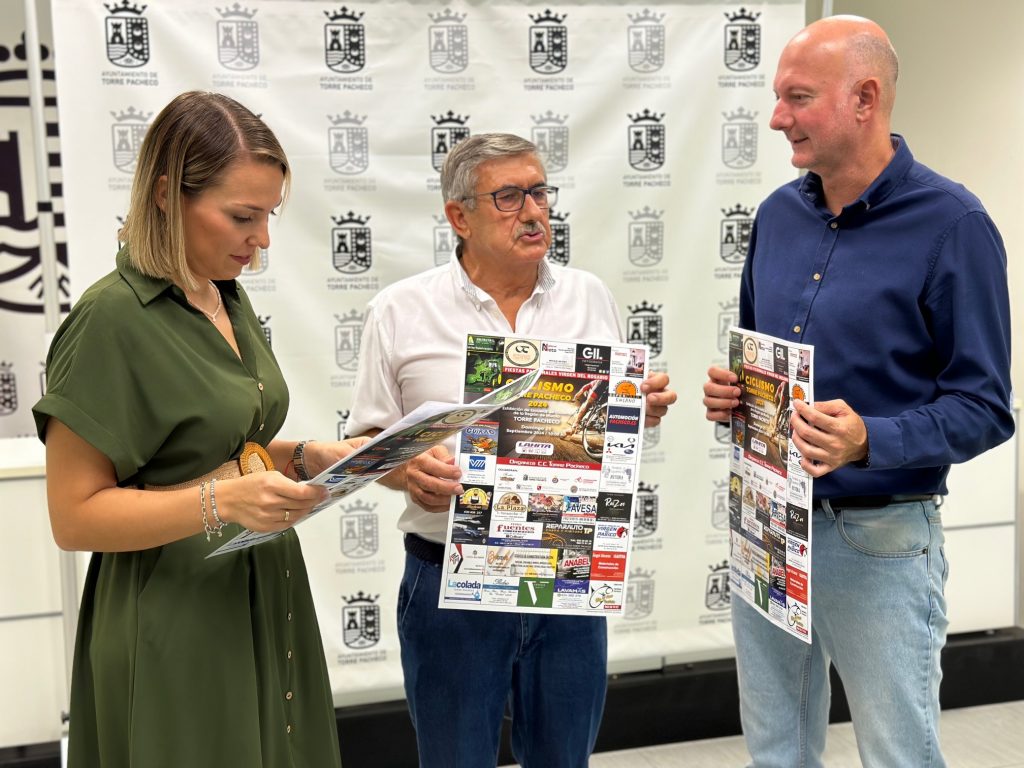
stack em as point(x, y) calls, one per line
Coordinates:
point(873, 502)
point(254, 458)
point(428, 551)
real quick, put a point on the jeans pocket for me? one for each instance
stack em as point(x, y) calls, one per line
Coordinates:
point(898, 530)
point(407, 588)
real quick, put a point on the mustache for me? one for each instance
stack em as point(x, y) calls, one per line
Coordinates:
point(530, 228)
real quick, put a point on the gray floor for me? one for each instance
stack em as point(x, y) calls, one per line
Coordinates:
point(976, 737)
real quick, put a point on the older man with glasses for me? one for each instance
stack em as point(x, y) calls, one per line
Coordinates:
point(463, 667)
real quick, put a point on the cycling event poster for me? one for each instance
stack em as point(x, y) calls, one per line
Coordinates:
point(769, 493)
point(549, 481)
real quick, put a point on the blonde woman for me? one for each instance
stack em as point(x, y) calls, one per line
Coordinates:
point(159, 381)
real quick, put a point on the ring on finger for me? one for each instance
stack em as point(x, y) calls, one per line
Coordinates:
point(287, 514)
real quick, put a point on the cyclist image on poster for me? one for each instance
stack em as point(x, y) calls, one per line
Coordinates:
point(548, 422)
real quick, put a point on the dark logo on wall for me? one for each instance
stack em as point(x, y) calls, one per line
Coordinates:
point(342, 421)
point(551, 136)
point(716, 592)
point(727, 318)
point(126, 134)
point(21, 283)
point(549, 43)
point(646, 237)
point(347, 335)
point(739, 139)
point(351, 244)
point(448, 39)
point(646, 41)
point(127, 35)
point(344, 41)
point(8, 389)
point(639, 594)
point(444, 241)
point(652, 436)
point(238, 38)
point(265, 325)
point(646, 522)
point(359, 531)
point(558, 251)
point(646, 137)
point(448, 131)
point(735, 234)
point(348, 144)
point(360, 621)
point(742, 41)
point(644, 326)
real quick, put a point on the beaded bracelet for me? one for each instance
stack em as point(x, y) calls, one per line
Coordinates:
point(213, 508)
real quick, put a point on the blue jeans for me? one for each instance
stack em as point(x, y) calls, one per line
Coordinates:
point(462, 667)
point(879, 615)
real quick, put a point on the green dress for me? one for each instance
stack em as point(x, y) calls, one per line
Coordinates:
point(183, 662)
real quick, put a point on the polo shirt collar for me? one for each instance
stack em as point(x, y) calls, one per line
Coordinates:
point(884, 185)
point(545, 281)
point(148, 288)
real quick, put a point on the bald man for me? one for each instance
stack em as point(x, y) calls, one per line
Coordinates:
point(897, 276)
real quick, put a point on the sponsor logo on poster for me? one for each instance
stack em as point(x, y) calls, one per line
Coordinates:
point(360, 621)
point(548, 43)
point(344, 41)
point(742, 41)
point(348, 143)
point(645, 139)
point(238, 38)
point(645, 41)
point(448, 42)
point(359, 531)
point(127, 35)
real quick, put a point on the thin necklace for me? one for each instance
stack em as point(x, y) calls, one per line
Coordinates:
point(212, 316)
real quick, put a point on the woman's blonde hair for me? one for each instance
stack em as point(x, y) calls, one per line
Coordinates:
point(192, 142)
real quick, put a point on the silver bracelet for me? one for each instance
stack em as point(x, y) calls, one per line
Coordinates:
point(216, 517)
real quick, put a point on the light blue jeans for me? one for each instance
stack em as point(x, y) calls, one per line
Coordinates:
point(879, 615)
point(463, 668)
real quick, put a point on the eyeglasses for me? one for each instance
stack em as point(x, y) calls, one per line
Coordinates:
point(514, 198)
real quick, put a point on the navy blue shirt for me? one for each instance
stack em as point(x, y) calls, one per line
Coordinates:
point(904, 297)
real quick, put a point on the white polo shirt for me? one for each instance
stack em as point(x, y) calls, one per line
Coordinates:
point(414, 336)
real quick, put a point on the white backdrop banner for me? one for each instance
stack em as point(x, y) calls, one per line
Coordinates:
point(653, 122)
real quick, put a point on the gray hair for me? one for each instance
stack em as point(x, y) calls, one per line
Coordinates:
point(459, 173)
point(870, 55)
